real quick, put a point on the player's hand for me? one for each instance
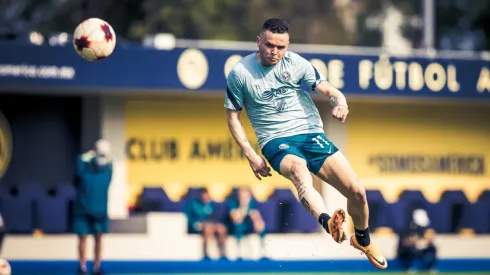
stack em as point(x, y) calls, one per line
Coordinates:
point(259, 167)
point(340, 112)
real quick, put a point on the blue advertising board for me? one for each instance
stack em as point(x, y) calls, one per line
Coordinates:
point(204, 70)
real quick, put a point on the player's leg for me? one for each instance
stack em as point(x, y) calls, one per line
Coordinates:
point(337, 171)
point(82, 253)
point(295, 169)
point(81, 229)
point(222, 234)
point(291, 163)
point(207, 232)
point(97, 253)
point(257, 222)
point(257, 226)
point(100, 227)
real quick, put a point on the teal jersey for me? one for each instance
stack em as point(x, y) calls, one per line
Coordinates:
point(197, 211)
point(92, 184)
point(274, 98)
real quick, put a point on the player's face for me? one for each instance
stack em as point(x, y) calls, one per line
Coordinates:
point(272, 47)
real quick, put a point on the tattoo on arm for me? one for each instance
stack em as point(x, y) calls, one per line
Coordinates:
point(334, 101)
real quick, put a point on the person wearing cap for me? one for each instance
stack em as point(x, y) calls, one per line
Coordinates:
point(417, 243)
point(92, 181)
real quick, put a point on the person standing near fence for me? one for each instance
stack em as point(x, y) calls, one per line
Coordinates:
point(93, 178)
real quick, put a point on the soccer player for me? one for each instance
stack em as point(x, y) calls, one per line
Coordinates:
point(93, 178)
point(290, 131)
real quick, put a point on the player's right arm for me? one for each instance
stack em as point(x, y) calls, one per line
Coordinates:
point(234, 106)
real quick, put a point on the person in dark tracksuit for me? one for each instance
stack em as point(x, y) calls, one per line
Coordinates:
point(93, 178)
point(416, 248)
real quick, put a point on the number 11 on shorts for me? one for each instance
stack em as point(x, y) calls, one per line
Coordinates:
point(319, 140)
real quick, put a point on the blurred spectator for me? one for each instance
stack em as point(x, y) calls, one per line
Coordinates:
point(202, 219)
point(417, 244)
point(245, 218)
point(93, 177)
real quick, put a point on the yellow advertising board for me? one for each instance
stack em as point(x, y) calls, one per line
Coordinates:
point(426, 147)
point(181, 142)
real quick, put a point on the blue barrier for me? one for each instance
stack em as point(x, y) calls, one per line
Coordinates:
point(213, 267)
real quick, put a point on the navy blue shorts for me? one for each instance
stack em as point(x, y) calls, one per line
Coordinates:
point(314, 148)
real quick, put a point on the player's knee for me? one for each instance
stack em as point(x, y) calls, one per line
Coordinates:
point(298, 172)
point(98, 237)
point(221, 229)
point(358, 193)
point(82, 239)
point(258, 226)
point(208, 229)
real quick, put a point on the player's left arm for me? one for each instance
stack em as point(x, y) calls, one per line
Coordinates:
point(337, 99)
point(317, 82)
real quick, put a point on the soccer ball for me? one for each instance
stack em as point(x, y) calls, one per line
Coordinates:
point(4, 267)
point(94, 39)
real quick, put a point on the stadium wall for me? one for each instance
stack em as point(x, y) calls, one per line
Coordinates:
point(420, 146)
point(174, 142)
point(153, 148)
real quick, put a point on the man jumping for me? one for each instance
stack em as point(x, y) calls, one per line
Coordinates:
point(290, 131)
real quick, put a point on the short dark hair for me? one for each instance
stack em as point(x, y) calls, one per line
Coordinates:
point(276, 25)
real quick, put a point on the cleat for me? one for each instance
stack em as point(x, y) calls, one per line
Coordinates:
point(335, 226)
point(374, 256)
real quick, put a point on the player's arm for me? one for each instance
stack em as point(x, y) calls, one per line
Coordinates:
point(318, 83)
point(336, 97)
point(237, 215)
point(238, 133)
point(234, 105)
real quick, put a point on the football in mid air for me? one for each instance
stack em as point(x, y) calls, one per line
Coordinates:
point(94, 39)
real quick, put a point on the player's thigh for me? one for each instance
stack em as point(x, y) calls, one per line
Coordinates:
point(208, 228)
point(282, 153)
point(317, 148)
point(101, 226)
point(337, 171)
point(221, 229)
point(294, 168)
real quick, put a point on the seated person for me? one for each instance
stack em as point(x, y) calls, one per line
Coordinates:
point(201, 219)
point(244, 216)
point(417, 243)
